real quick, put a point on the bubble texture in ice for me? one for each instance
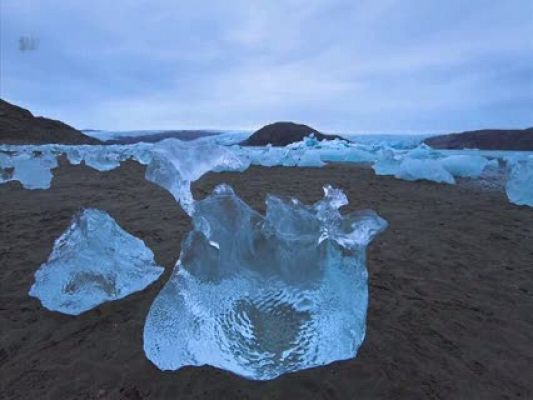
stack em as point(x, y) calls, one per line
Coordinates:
point(264, 295)
point(92, 262)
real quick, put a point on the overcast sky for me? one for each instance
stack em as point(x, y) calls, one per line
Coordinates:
point(341, 66)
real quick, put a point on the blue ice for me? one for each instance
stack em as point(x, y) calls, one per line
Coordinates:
point(92, 262)
point(261, 296)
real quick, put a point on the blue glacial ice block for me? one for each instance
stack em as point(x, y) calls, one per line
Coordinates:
point(261, 296)
point(6, 168)
point(466, 166)
point(175, 164)
point(33, 169)
point(102, 158)
point(519, 185)
point(93, 261)
point(413, 169)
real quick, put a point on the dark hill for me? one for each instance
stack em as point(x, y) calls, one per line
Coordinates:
point(485, 139)
point(284, 133)
point(19, 126)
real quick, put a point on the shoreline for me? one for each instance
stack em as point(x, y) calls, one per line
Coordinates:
point(450, 285)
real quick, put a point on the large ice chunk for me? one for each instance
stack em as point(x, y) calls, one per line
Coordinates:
point(422, 151)
point(101, 158)
point(387, 163)
point(264, 295)
point(6, 168)
point(306, 157)
point(413, 169)
point(519, 186)
point(33, 169)
point(466, 166)
point(93, 261)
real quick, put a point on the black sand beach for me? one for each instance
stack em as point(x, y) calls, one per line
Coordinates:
point(451, 292)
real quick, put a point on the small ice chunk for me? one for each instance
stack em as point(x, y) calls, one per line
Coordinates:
point(93, 261)
point(265, 295)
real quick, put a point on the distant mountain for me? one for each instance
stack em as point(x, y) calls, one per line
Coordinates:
point(19, 126)
point(186, 135)
point(284, 133)
point(485, 139)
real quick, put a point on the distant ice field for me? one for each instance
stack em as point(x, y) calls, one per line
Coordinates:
point(174, 164)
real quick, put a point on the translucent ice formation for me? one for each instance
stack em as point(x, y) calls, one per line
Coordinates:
point(99, 158)
point(413, 169)
point(108, 157)
point(422, 151)
point(175, 165)
point(264, 295)
point(387, 164)
point(31, 168)
point(469, 166)
point(519, 186)
point(32, 164)
point(423, 163)
point(6, 168)
point(93, 261)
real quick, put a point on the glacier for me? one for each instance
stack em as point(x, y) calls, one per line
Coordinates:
point(261, 296)
point(92, 262)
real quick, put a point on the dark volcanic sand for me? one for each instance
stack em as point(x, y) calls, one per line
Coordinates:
point(451, 292)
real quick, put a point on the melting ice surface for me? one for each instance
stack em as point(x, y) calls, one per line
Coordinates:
point(31, 169)
point(265, 295)
point(176, 164)
point(412, 169)
point(423, 163)
point(32, 165)
point(93, 261)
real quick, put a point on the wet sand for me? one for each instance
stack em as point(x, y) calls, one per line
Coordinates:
point(451, 292)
